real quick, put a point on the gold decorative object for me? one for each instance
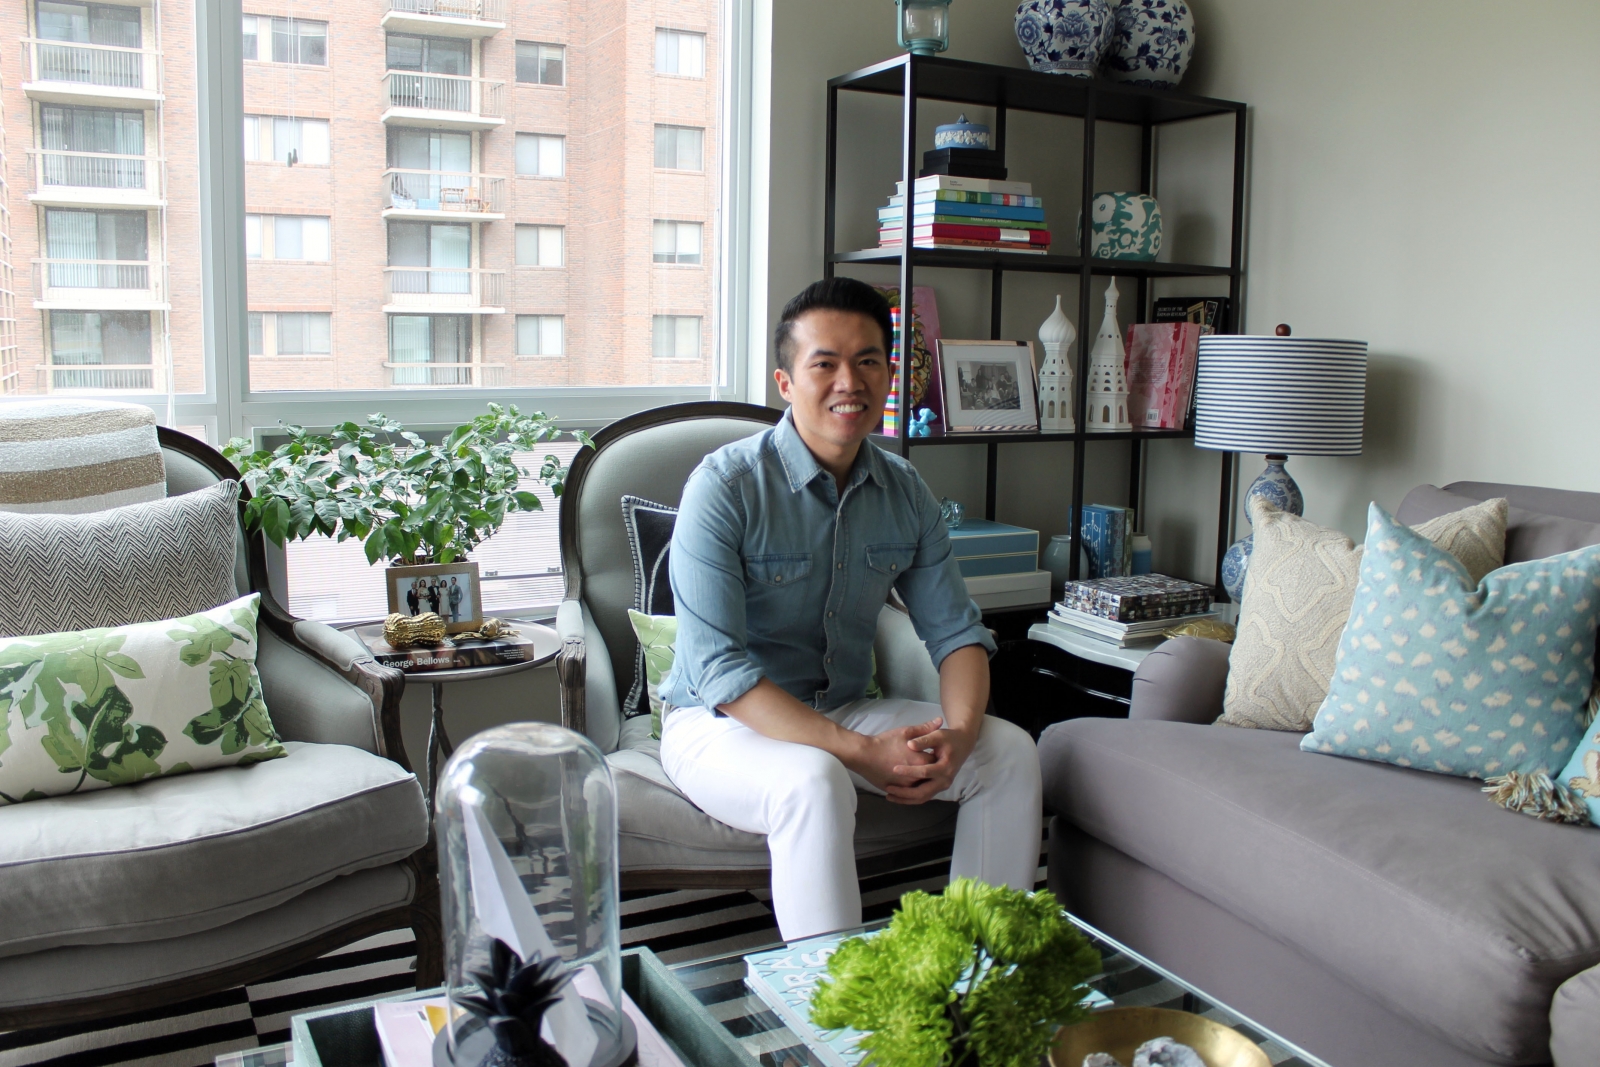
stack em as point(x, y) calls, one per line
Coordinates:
point(1207, 628)
point(1120, 1031)
point(491, 629)
point(404, 631)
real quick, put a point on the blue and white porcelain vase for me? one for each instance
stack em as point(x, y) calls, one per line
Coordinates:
point(1126, 226)
point(1277, 487)
point(1151, 42)
point(1065, 36)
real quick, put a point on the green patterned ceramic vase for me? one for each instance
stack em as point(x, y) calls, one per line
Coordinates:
point(1126, 226)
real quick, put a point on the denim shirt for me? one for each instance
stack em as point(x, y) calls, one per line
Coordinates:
point(776, 574)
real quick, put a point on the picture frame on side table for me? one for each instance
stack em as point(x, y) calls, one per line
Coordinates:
point(451, 590)
point(989, 386)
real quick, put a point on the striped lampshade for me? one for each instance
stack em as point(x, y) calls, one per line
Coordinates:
point(1296, 396)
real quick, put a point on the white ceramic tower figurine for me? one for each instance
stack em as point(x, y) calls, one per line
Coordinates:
point(1056, 335)
point(1108, 377)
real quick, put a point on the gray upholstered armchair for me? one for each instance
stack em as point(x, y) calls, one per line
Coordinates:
point(666, 842)
point(129, 898)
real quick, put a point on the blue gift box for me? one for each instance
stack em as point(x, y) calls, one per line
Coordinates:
point(983, 547)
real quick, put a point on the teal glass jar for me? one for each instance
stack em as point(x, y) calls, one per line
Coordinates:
point(924, 27)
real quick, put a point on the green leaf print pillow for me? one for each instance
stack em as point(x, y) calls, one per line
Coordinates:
point(95, 708)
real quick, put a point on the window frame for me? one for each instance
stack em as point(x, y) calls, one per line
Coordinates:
point(516, 63)
point(229, 406)
point(660, 30)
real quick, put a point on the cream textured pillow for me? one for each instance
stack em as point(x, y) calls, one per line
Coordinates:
point(1297, 596)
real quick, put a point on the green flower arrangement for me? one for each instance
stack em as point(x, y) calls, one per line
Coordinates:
point(979, 975)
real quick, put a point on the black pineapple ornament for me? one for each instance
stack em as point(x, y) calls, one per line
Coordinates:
point(512, 1001)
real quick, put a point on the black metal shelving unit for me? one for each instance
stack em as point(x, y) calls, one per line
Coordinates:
point(914, 78)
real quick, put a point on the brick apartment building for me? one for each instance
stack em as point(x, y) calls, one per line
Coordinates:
point(451, 193)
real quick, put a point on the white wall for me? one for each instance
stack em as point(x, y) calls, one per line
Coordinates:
point(1423, 177)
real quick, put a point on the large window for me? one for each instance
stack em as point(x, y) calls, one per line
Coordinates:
point(539, 246)
point(677, 242)
point(541, 155)
point(680, 147)
point(301, 41)
point(680, 53)
point(284, 139)
point(303, 237)
point(541, 64)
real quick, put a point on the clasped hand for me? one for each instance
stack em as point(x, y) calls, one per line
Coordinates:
point(914, 764)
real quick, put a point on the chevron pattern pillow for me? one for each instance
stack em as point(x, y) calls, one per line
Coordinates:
point(103, 707)
point(158, 560)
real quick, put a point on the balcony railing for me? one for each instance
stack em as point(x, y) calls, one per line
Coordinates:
point(72, 371)
point(443, 288)
point(91, 284)
point(55, 170)
point(479, 375)
point(101, 65)
point(444, 92)
point(435, 190)
point(473, 10)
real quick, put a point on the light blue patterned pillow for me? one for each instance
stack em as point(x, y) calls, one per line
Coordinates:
point(1441, 676)
point(1582, 775)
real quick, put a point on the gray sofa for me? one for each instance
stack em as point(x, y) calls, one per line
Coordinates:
point(1376, 916)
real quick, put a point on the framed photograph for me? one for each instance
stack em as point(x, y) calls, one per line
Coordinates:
point(449, 590)
point(988, 386)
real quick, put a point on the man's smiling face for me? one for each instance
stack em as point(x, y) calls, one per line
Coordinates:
point(837, 383)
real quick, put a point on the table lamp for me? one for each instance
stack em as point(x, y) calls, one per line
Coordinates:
point(1282, 396)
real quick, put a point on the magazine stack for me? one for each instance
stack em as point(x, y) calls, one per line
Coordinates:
point(1128, 609)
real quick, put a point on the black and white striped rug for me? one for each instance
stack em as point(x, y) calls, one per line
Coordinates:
point(676, 925)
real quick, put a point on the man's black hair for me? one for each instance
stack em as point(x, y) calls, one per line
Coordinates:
point(832, 294)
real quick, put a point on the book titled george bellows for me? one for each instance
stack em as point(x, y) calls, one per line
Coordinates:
point(1121, 634)
point(449, 654)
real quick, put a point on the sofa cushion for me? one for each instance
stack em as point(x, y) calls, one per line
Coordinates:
point(1531, 532)
point(649, 527)
point(1410, 886)
point(661, 829)
point(172, 856)
point(68, 456)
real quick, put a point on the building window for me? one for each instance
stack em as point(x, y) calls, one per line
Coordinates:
point(291, 333)
point(301, 41)
point(302, 237)
point(106, 24)
point(101, 350)
point(539, 246)
point(539, 335)
point(541, 155)
point(97, 249)
point(676, 336)
point(73, 140)
point(435, 150)
point(676, 242)
point(680, 147)
point(283, 139)
point(418, 340)
point(429, 55)
point(680, 53)
point(541, 64)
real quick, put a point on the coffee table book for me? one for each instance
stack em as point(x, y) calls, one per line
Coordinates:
point(449, 654)
point(348, 1036)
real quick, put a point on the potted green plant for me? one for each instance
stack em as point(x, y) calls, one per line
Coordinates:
point(421, 506)
point(980, 974)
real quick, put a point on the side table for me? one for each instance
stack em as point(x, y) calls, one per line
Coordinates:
point(546, 644)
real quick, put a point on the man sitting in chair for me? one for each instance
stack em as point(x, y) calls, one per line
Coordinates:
point(785, 549)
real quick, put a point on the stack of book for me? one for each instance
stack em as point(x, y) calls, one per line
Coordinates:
point(1127, 609)
point(451, 654)
point(954, 212)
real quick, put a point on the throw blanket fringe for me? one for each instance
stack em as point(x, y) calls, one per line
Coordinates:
point(1537, 794)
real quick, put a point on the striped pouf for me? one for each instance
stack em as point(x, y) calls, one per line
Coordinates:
point(69, 457)
point(1297, 396)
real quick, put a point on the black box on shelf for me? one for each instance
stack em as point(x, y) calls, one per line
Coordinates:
point(964, 163)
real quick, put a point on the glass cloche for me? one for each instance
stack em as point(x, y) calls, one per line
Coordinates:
point(527, 830)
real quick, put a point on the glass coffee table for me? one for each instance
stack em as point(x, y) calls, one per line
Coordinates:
point(1128, 979)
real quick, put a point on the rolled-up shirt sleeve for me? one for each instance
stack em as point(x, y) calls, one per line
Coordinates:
point(712, 665)
point(942, 612)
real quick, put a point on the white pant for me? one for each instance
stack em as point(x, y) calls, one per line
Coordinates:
point(804, 801)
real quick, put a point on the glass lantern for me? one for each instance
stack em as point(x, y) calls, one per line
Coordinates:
point(527, 831)
point(924, 28)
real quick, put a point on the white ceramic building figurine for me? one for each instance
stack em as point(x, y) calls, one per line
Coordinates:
point(1056, 335)
point(1108, 377)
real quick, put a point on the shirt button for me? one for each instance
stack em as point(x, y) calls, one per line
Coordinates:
point(839, 566)
point(829, 660)
point(830, 614)
point(894, 566)
point(777, 577)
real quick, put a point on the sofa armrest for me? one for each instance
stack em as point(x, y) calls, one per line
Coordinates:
point(1181, 680)
point(1575, 1020)
point(905, 669)
point(588, 687)
point(323, 686)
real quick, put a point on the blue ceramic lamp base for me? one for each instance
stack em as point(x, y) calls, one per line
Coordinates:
point(1276, 487)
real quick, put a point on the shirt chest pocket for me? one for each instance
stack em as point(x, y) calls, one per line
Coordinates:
point(890, 560)
point(779, 570)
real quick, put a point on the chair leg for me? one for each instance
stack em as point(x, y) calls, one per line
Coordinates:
point(428, 929)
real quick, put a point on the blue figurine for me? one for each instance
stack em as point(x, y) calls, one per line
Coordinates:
point(922, 425)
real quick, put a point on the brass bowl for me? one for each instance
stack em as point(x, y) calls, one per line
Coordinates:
point(1120, 1031)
